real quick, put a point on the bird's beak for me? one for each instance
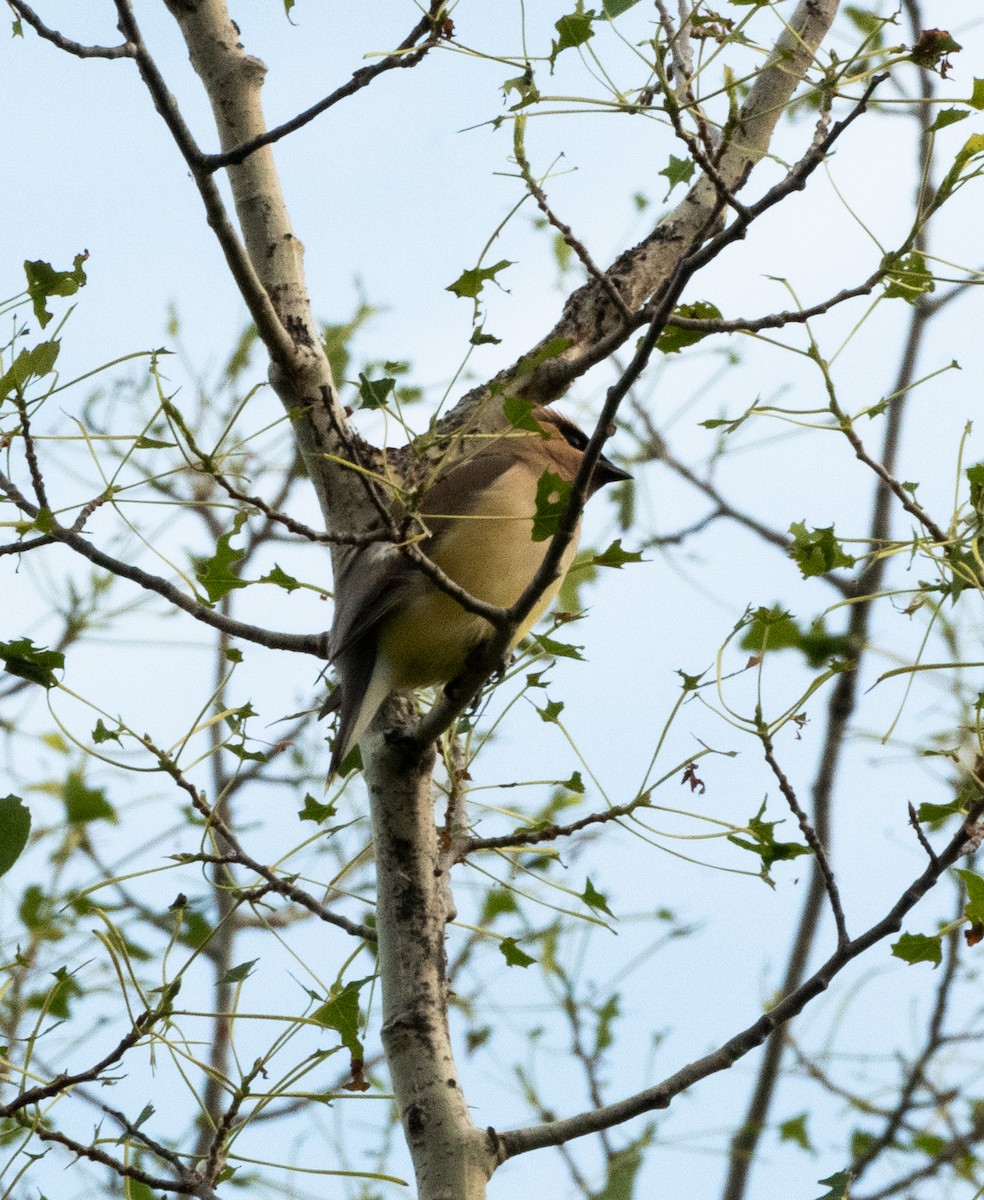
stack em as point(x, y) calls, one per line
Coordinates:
point(606, 472)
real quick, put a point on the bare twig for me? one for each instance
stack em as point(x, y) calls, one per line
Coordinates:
point(521, 1141)
point(407, 54)
point(26, 13)
point(818, 848)
point(314, 643)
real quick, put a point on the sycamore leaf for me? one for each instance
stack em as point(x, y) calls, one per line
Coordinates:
point(838, 1185)
point(27, 661)
point(677, 170)
point(595, 899)
point(341, 1013)
point(83, 803)
point(552, 494)
point(817, 552)
point(616, 557)
point(216, 574)
point(15, 828)
point(375, 392)
point(514, 957)
point(917, 948)
point(469, 283)
point(44, 281)
point(974, 912)
point(29, 364)
point(573, 29)
point(673, 339)
point(241, 973)
point(314, 811)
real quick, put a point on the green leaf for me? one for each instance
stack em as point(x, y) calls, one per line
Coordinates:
point(761, 840)
point(469, 283)
point(673, 339)
point(559, 649)
point(977, 95)
point(917, 947)
point(949, 116)
point(514, 957)
point(313, 811)
point(519, 413)
point(375, 392)
point(551, 712)
point(27, 661)
point(241, 973)
point(616, 557)
point(907, 278)
point(499, 902)
point(615, 8)
point(574, 784)
point(15, 828)
point(44, 281)
point(552, 494)
point(233, 655)
point(677, 170)
point(101, 734)
point(215, 574)
point(794, 1130)
point(525, 89)
point(775, 629)
point(975, 477)
point(935, 814)
point(83, 804)
point(974, 912)
point(149, 443)
point(341, 1013)
point(29, 364)
point(595, 899)
point(574, 29)
point(281, 579)
point(818, 552)
point(838, 1185)
point(480, 338)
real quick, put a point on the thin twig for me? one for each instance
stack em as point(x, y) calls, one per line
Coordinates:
point(26, 13)
point(806, 828)
point(405, 55)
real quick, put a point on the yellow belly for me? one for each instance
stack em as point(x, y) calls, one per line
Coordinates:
point(428, 639)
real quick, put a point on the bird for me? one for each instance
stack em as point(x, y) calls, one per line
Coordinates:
point(395, 630)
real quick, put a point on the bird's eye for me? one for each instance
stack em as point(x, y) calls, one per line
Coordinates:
point(573, 436)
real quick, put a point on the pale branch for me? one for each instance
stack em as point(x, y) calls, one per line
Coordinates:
point(589, 324)
point(300, 643)
point(806, 828)
point(468, 685)
point(533, 837)
point(556, 374)
point(234, 852)
point(407, 54)
point(521, 1141)
point(276, 338)
point(26, 13)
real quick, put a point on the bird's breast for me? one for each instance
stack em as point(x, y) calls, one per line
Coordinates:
point(489, 552)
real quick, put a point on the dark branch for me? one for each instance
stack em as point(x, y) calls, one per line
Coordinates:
point(26, 13)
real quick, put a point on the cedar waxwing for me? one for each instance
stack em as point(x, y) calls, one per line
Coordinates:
point(393, 629)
